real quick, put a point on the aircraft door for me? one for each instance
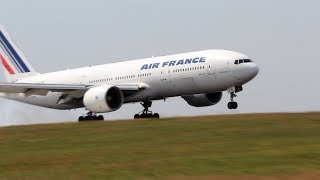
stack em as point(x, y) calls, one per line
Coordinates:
point(163, 75)
point(223, 72)
point(211, 68)
point(83, 80)
point(165, 78)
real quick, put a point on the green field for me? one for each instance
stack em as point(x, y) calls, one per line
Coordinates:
point(254, 145)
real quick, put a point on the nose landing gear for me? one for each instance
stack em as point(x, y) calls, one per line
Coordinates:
point(146, 113)
point(90, 116)
point(232, 104)
point(233, 91)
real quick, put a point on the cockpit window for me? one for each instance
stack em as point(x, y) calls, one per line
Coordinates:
point(240, 61)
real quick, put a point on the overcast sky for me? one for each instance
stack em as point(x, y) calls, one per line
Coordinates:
point(281, 36)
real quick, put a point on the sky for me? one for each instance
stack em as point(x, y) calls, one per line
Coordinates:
point(281, 36)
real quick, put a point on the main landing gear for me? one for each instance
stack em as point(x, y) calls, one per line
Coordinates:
point(146, 113)
point(91, 117)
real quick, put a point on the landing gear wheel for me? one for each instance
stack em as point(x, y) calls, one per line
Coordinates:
point(90, 117)
point(156, 116)
point(232, 105)
point(81, 118)
point(100, 117)
point(136, 116)
point(146, 113)
point(235, 105)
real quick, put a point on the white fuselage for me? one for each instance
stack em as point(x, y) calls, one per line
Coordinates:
point(167, 76)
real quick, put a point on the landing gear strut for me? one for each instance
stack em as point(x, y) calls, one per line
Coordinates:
point(90, 116)
point(146, 113)
point(232, 104)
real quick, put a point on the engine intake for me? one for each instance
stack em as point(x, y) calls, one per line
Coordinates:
point(202, 100)
point(103, 99)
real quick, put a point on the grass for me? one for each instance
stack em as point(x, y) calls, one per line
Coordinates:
point(256, 145)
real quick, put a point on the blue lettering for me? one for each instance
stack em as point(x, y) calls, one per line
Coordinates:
point(165, 64)
point(180, 62)
point(188, 61)
point(202, 59)
point(172, 63)
point(195, 60)
point(144, 67)
point(155, 65)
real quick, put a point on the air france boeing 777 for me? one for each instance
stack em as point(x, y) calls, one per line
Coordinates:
point(198, 77)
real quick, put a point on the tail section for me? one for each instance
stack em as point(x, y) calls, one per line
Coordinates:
point(15, 64)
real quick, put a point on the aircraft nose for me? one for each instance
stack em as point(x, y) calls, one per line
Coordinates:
point(251, 71)
point(254, 70)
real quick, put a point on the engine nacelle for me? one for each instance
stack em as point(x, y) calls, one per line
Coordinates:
point(103, 99)
point(202, 100)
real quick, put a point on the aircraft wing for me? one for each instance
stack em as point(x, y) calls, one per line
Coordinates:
point(25, 87)
point(67, 89)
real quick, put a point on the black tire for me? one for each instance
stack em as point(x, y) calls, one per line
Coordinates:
point(81, 118)
point(156, 116)
point(100, 117)
point(143, 116)
point(234, 105)
point(136, 116)
point(230, 105)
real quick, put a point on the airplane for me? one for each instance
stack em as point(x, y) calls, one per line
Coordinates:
point(198, 77)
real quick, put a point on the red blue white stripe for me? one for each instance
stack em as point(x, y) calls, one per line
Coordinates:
point(6, 65)
point(12, 55)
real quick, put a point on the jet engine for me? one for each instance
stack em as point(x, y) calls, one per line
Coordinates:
point(202, 100)
point(103, 99)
